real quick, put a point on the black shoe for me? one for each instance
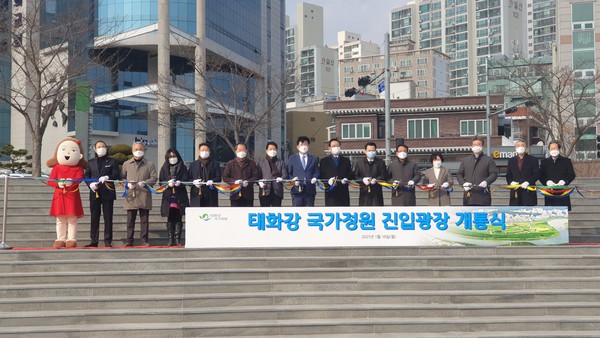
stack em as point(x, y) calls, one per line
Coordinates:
point(92, 245)
point(144, 244)
point(108, 245)
point(128, 244)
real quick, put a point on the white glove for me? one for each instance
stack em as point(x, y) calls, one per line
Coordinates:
point(373, 181)
point(279, 180)
point(171, 183)
point(467, 186)
point(431, 185)
point(68, 183)
point(411, 183)
point(197, 182)
point(550, 183)
point(295, 178)
point(261, 184)
point(313, 181)
point(94, 186)
point(238, 182)
point(514, 183)
point(60, 184)
point(209, 183)
point(297, 183)
point(396, 182)
point(331, 181)
point(244, 183)
point(344, 181)
point(177, 183)
point(103, 179)
point(525, 185)
point(366, 180)
point(483, 184)
point(142, 184)
point(561, 182)
point(445, 185)
point(130, 185)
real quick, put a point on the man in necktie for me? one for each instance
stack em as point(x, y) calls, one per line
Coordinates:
point(337, 169)
point(305, 171)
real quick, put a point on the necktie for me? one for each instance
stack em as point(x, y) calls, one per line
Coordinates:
point(303, 161)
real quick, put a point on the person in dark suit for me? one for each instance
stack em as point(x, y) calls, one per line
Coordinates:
point(102, 193)
point(174, 198)
point(556, 170)
point(522, 170)
point(370, 170)
point(304, 169)
point(204, 172)
point(476, 172)
point(404, 173)
point(243, 171)
point(336, 166)
point(270, 194)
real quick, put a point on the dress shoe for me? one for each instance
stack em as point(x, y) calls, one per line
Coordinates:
point(71, 243)
point(59, 244)
point(108, 245)
point(145, 244)
point(128, 244)
point(91, 245)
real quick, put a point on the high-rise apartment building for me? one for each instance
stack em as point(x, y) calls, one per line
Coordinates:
point(245, 37)
point(5, 14)
point(312, 67)
point(541, 27)
point(467, 31)
point(350, 46)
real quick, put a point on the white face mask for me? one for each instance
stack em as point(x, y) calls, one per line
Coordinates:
point(101, 151)
point(204, 154)
point(173, 160)
point(520, 150)
point(303, 149)
point(402, 155)
point(554, 153)
point(138, 153)
point(437, 164)
point(241, 154)
point(272, 153)
point(335, 150)
point(476, 149)
point(371, 154)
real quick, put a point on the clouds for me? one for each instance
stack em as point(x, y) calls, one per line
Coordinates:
point(371, 18)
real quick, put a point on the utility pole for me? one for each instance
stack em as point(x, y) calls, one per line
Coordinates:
point(388, 119)
point(200, 75)
point(164, 78)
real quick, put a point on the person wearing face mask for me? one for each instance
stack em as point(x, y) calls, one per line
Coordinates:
point(174, 198)
point(332, 166)
point(138, 172)
point(271, 168)
point(304, 169)
point(522, 170)
point(440, 178)
point(204, 172)
point(102, 193)
point(370, 170)
point(405, 175)
point(556, 170)
point(242, 170)
point(476, 172)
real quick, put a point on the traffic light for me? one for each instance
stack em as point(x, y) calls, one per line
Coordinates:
point(364, 81)
point(350, 92)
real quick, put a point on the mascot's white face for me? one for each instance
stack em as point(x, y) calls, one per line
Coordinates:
point(68, 153)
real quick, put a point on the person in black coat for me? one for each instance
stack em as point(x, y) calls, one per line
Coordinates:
point(336, 166)
point(370, 170)
point(204, 172)
point(102, 193)
point(174, 198)
point(556, 170)
point(522, 170)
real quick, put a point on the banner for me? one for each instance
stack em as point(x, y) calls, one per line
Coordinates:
point(228, 227)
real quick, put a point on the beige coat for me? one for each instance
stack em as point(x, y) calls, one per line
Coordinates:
point(139, 198)
point(439, 196)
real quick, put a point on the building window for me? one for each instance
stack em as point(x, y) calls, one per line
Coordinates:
point(473, 127)
point(356, 131)
point(422, 61)
point(422, 128)
point(348, 79)
point(331, 132)
point(422, 95)
point(421, 72)
point(364, 68)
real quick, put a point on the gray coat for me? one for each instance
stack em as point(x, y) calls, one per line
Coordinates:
point(144, 170)
point(265, 169)
point(476, 170)
point(404, 172)
point(439, 196)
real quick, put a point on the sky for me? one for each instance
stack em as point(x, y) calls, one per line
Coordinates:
point(369, 18)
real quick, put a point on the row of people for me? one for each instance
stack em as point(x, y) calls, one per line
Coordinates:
point(476, 173)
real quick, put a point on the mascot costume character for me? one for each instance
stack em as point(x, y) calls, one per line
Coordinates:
point(67, 173)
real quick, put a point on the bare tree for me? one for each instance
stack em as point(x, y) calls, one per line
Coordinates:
point(50, 51)
point(563, 99)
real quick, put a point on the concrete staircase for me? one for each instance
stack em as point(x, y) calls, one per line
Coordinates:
point(340, 292)
point(29, 225)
